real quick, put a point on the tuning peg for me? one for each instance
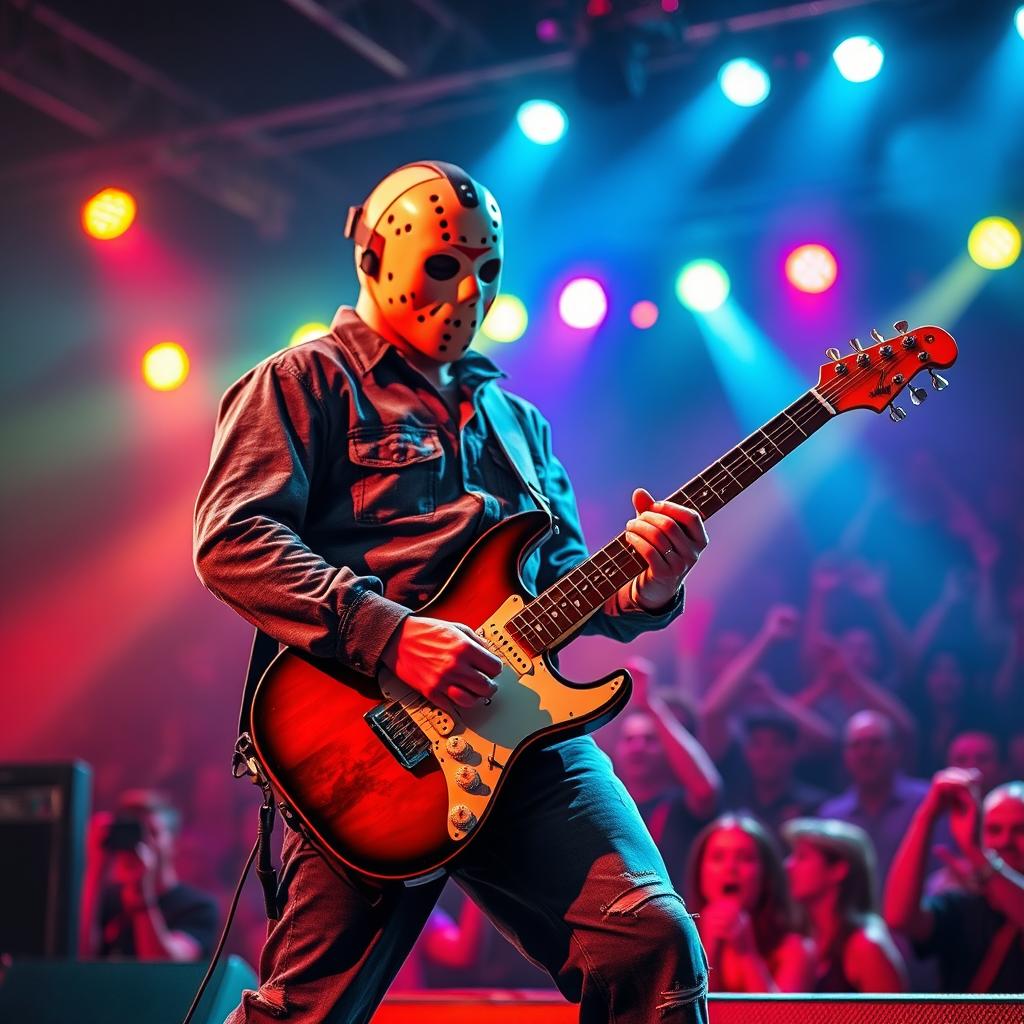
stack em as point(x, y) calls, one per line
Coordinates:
point(938, 381)
point(896, 413)
point(834, 354)
point(856, 345)
point(876, 334)
point(917, 395)
point(900, 327)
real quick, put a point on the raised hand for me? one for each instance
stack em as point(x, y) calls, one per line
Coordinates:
point(957, 791)
point(781, 622)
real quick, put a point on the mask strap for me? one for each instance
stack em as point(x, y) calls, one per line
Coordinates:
point(367, 239)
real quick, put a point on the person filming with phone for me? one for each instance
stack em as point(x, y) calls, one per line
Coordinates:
point(133, 905)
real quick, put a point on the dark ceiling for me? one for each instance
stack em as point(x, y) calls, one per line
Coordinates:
point(250, 104)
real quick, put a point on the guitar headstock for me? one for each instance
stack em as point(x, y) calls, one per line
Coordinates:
point(872, 377)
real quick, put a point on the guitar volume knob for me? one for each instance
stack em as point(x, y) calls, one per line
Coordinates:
point(467, 778)
point(462, 817)
point(457, 747)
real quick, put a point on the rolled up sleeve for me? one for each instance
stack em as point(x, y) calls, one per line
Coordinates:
point(247, 548)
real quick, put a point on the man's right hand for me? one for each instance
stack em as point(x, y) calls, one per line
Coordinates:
point(445, 661)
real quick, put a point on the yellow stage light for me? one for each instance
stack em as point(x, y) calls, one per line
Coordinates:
point(108, 214)
point(994, 243)
point(307, 332)
point(165, 366)
point(506, 320)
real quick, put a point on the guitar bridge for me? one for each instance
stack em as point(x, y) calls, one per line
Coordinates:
point(399, 733)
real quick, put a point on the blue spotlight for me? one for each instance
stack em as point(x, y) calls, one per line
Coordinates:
point(859, 58)
point(1018, 20)
point(542, 122)
point(744, 82)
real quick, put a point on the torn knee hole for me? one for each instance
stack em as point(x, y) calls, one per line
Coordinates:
point(270, 999)
point(636, 896)
point(679, 997)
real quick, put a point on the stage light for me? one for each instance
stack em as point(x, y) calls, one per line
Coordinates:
point(994, 243)
point(506, 320)
point(542, 122)
point(744, 82)
point(583, 303)
point(811, 268)
point(644, 314)
point(702, 285)
point(1018, 20)
point(548, 30)
point(165, 366)
point(307, 332)
point(858, 58)
point(108, 214)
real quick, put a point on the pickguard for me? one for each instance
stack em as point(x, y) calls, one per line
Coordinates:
point(529, 699)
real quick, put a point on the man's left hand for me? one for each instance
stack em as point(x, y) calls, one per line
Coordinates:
point(669, 538)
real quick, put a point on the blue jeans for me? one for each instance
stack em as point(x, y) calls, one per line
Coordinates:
point(564, 867)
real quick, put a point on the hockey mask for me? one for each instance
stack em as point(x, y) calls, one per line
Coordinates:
point(429, 248)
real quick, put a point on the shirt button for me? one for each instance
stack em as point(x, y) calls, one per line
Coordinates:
point(422, 596)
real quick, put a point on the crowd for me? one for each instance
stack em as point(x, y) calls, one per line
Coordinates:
point(837, 795)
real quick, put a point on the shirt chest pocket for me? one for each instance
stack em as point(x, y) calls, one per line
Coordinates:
point(397, 470)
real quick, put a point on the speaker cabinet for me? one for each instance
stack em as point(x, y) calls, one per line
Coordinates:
point(44, 811)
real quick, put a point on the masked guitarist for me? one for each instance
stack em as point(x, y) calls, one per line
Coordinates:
point(348, 475)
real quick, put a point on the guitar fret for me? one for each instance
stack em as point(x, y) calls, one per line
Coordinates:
point(794, 422)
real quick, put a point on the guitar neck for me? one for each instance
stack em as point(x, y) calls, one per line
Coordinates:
point(557, 612)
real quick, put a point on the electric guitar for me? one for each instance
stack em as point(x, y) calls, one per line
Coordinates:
point(394, 787)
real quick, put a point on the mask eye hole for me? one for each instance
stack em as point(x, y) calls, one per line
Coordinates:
point(489, 271)
point(441, 267)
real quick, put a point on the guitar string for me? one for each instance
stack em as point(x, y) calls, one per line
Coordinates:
point(791, 425)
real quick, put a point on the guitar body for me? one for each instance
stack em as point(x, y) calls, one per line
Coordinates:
point(383, 781)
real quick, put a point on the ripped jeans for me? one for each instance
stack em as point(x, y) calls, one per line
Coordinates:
point(564, 867)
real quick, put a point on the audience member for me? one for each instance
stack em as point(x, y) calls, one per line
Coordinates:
point(769, 790)
point(978, 749)
point(133, 904)
point(974, 933)
point(940, 702)
point(880, 799)
point(832, 880)
point(840, 684)
point(454, 944)
point(670, 776)
point(740, 681)
point(736, 888)
point(975, 750)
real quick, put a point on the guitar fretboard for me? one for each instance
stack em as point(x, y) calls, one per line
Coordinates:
point(560, 609)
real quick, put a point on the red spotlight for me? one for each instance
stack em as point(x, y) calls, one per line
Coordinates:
point(811, 268)
point(108, 214)
point(644, 314)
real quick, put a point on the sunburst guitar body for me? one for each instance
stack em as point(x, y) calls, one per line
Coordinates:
point(391, 786)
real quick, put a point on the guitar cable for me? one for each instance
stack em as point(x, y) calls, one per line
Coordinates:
point(261, 856)
point(224, 933)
